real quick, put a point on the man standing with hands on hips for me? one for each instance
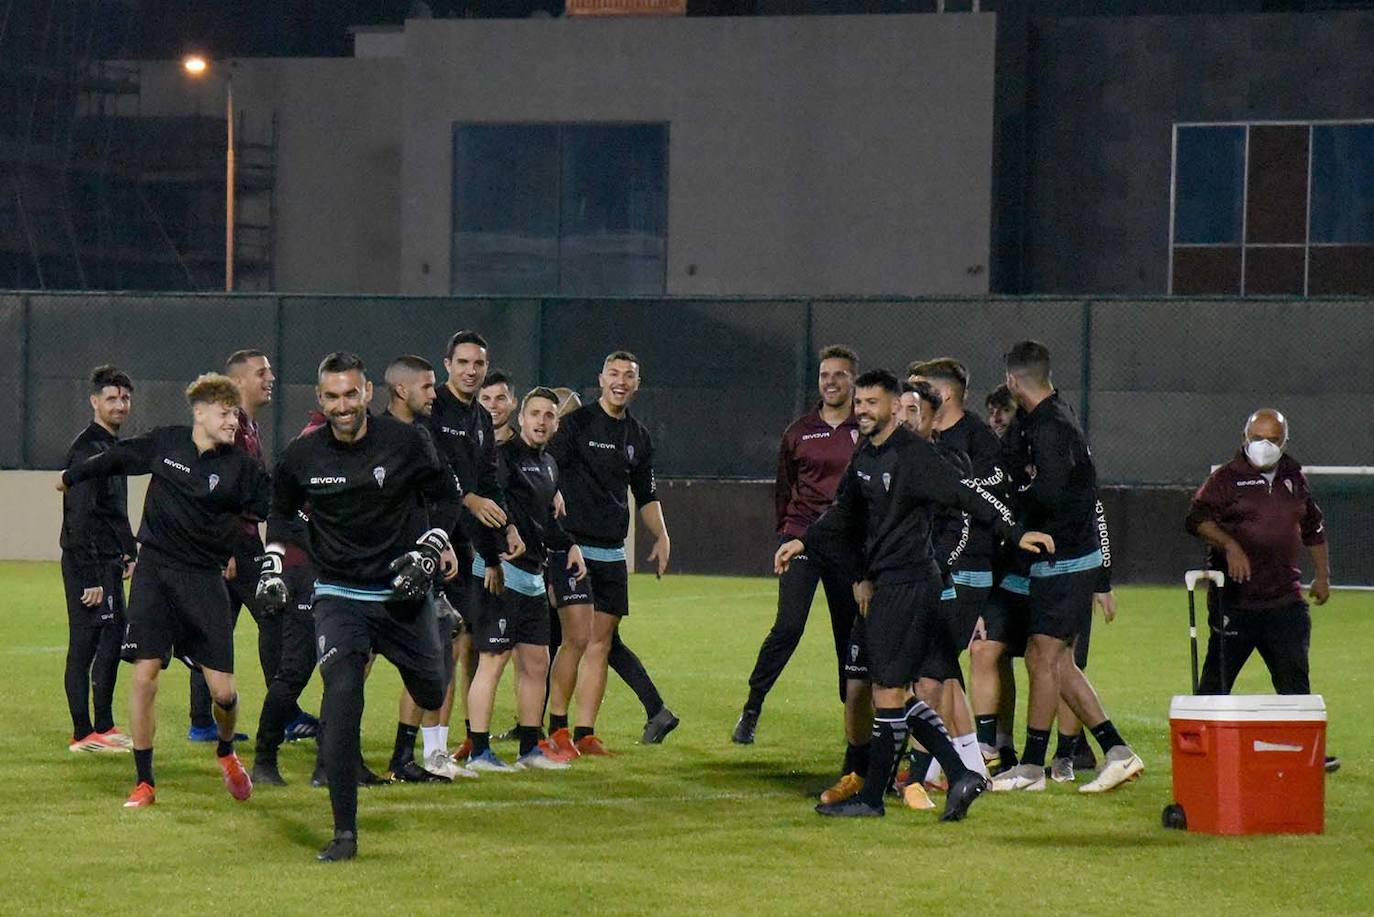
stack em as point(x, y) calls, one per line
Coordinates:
point(1256, 512)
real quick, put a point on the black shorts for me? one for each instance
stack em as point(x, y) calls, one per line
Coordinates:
point(564, 587)
point(902, 621)
point(512, 618)
point(1006, 615)
point(970, 602)
point(348, 631)
point(110, 611)
point(941, 660)
point(606, 586)
point(458, 591)
point(1062, 606)
point(855, 663)
point(175, 611)
point(300, 588)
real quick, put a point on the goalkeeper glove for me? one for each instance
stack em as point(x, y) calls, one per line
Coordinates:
point(416, 569)
point(271, 592)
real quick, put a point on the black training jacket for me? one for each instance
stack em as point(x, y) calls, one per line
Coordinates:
point(193, 514)
point(369, 500)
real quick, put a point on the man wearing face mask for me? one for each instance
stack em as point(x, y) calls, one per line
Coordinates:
point(1256, 512)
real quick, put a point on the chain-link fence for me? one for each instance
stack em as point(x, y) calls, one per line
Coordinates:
point(1162, 386)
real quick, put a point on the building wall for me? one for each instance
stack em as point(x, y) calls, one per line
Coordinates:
point(1103, 96)
point(337, 221)
point(818, 155)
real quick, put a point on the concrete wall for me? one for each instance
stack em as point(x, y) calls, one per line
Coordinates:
point(807, 155)
point(1103, 96)
point(337, 221)
point(33, 513)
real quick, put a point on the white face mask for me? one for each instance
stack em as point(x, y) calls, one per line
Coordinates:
point(1262, 453)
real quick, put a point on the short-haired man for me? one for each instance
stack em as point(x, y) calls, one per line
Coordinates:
point(960, 430)
point(466, 438)
point(878, 528)
point(602, 451)
point(1058, 494)
point(201, 488)
point(1256, 514)
point(98, 553)
point(381, 501)
point(410, 383)
point(1001, 408)
point(816, 449)
point(516, 619)
point(498, 397)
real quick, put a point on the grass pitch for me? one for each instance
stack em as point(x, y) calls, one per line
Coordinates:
point(696, 825)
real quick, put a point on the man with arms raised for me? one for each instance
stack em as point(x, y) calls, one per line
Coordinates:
point(201, 488)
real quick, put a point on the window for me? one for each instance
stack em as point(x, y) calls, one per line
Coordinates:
point(1273, 209)
point(560, 209)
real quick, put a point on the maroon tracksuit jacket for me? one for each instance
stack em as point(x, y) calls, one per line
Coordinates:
point(811, 463)
point(1272, 522)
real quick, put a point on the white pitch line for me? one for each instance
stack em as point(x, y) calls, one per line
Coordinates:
point(614, 801)
point(32, 650)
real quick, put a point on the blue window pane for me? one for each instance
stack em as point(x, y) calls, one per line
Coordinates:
point(614, 209)
point(505, 209)
point(1343, 183)
point(1208, 182)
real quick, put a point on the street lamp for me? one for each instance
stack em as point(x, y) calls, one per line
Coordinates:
point(197, 66)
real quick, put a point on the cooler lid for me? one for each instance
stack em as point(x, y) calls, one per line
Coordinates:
point(1249, 707)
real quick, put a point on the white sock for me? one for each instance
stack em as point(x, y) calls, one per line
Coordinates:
point(443, 737)
point(432, 741)
point(1004, 740)
point(933, 772)
point(970, 753)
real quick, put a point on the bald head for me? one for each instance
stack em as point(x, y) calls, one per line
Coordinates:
point(1267, 423)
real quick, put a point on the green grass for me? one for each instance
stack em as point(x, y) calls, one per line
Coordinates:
point(696, 825)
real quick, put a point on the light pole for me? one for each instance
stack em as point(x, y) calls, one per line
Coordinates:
point(197, 66)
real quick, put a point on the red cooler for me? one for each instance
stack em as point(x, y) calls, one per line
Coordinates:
point(1249, 764)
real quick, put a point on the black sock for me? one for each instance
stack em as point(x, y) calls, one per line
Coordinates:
point(986, 727)
point(1107, 736)
point(481, 741)
point(855, 759)
point(920, 765)
point(1068, 745)
point(1037, 743)
point(224, 749)
point(581, 732)
point(467, 728)
point(755, 701)
point(927, 728)
point(623, 662)
point(889, 741)
point(404, 749)
point(557, 721)
point(529, 738)
point(143, 761)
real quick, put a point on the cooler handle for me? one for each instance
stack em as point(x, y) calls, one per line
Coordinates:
point(1190, 743)
point(1190, 579)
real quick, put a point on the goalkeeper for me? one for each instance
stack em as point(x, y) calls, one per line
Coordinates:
point(368, 481)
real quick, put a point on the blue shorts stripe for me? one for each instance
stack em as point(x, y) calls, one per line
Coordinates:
point(1016, 584)
point(974, 579)
point(1044, 568)
point(603, 555)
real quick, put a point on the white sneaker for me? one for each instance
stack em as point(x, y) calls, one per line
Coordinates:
point(1061, 770)
point(1027, 777)
point(536, 760)
point(1121, 765)
point(442, 763)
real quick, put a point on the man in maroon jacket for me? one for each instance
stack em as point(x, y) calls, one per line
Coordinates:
point(815, 451)
point(1256, 512)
